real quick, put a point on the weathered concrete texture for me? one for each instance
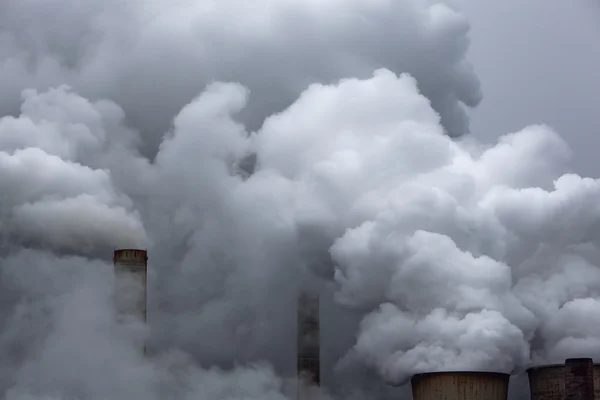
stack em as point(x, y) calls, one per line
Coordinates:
point(579, 379)
point(547, 382)
point(462, 385)
point(597, 381)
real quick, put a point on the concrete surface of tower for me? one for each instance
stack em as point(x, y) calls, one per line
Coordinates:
point(308, 362)
point(577, 378)
point(460, 385)
point(131, 271)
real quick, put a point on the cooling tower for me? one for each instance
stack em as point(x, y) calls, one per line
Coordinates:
point(547, 382)
point(460, 385)
point(131, 267)
point(308, 363)
point(596, 381)
point(579, 379)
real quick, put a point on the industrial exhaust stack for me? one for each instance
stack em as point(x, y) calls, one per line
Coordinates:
point(309, 374)
point(460, 385)
point(131, 268)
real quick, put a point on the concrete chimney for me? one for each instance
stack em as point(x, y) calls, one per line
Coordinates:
point(309, 374)
point(579, 379)
point(131, 271)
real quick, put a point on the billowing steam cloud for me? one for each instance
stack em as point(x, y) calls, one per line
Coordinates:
point(152, 58)
point(440, 253)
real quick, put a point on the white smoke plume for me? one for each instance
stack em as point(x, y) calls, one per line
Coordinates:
point(126, 128)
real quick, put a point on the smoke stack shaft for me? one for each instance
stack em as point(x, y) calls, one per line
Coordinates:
point(131, 271)
point(309, 373)
point(579, 379)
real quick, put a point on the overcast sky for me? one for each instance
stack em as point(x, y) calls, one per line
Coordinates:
point(539, 62)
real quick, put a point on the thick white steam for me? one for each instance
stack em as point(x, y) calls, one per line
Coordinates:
point(153, 57)
point(256, 150)
point(446, 242)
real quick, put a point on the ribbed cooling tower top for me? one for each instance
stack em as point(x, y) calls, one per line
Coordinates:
point(460, 385)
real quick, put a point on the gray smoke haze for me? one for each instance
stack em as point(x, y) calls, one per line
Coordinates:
point(128, 125)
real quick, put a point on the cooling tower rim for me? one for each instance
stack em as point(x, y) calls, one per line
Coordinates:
point(544, 366)
point(130, 249)
point(473, 373)
point(423, 375)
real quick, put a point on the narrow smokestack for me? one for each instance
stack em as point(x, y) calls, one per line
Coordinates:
point(579, 379)
point(131, 268)
point(309, 374)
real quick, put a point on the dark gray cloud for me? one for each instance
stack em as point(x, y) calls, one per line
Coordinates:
point(126, 126)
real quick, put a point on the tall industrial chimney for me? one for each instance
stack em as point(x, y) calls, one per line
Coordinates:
point(309, 374)
point(579, 379)
point(460, 385)
point(131, 268)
